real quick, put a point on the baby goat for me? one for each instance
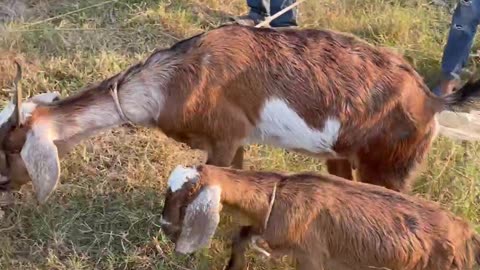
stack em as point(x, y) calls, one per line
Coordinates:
point(324, 221)
point(317, 92)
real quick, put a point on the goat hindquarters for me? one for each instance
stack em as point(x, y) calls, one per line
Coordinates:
point(392, 161)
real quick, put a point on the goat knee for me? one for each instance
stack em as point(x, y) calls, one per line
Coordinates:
point(222, 154)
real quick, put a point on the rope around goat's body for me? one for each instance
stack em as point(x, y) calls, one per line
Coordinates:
point(267, 21)
point(114, 93)
point(270, 206)
point(267, 218)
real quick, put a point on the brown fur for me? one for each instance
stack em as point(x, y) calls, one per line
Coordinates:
point(327, 222)
point(215, 84)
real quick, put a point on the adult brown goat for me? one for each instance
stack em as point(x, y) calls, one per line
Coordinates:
point(317, 92)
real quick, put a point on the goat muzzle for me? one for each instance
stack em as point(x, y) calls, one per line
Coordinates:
point(13, 173)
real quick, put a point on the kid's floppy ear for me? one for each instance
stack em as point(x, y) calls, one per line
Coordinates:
point(201, 220)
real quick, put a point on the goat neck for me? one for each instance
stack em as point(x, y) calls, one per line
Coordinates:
point(244, 191)
point(95, 109)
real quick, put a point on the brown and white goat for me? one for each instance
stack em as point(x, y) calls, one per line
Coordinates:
point(323, 221)
point(318, 92)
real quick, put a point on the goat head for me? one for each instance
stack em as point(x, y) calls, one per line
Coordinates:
point(191, 213)
point(22, 155)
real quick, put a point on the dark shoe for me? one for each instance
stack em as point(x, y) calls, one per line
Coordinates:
point(446, 87)
point(250, 19)
point(286, 27)
point(282, 24)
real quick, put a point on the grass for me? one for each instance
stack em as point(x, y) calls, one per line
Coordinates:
point(105, 214)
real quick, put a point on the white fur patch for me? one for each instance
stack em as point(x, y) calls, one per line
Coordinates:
point(143, 96)
point(281, 126)
point(180, 175)
point(27, 107)
point(6, 112)
point(201, 220)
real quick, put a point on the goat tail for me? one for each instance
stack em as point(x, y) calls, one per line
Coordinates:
point(466, 95)
point(460, 125)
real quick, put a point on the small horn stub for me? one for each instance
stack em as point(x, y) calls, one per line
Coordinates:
point(17, 95)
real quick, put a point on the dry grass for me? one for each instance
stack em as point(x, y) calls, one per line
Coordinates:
point(105, 213)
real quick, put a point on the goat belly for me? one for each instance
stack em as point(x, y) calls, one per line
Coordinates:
point(281, 126)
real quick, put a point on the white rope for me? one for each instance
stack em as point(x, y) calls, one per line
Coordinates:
point(267, 218)
point(114, 93)
point(257, 248)
point(270, 206)
point(268, 20)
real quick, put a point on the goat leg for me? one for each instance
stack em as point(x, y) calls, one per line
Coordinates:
point(222, 154)
point(308, 263)
point(240, 244)
point(237, 162)
point(340, 167)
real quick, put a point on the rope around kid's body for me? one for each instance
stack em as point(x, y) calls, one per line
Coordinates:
point(267, 218)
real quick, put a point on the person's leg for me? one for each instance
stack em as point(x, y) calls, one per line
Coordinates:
point(259, 9)
point(289, 18)
point(460, 39)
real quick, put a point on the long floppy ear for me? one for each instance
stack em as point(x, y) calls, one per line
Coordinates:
point(201, 221)
point(41, 160)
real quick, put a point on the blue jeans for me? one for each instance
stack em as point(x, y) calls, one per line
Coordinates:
point(460, 39)
point(264, 8)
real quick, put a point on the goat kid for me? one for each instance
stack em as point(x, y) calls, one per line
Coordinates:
point(317, 92)
point(324, 221)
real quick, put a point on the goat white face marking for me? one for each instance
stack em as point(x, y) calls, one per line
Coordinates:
point(6, 112)
point(281, 126)
point(27, 107)
point(180, 175)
